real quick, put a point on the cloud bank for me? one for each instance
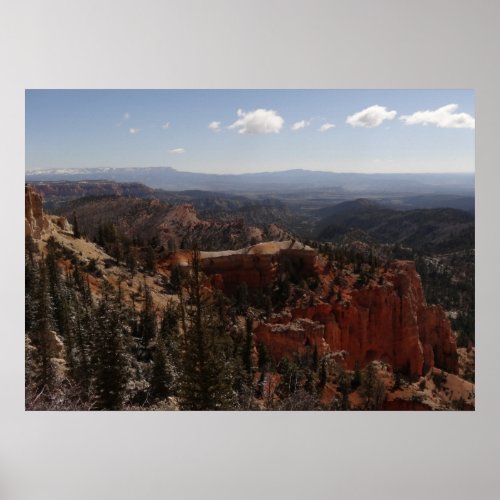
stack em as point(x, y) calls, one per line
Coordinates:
point(371, 117)
point(444, 117)
point(260, 121)
point(177, 151)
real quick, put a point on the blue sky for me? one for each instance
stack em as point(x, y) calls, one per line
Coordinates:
point(374, 130)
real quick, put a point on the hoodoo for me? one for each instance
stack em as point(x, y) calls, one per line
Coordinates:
point(34, 221)
point(390, 322)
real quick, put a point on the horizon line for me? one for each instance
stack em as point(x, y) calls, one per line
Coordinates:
point(28, 171)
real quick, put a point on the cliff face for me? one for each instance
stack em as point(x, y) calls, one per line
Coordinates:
point(390, 322)
point(258, 265)
point(34, 220)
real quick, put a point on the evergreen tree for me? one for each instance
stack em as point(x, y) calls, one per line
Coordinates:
point(147, 324)
point(176, 279)
point(323, 373)
point(76, 229)
point(109, 357)
point(356, 380)
point(248, 348)
point(56, 287)
point(344, 386)
point(205, 373)
point(162, 377)
point(315, 360)
point(264, 357)
point(241, 297)
point(30, 248)
point(372, 388)
point(83, 327)
point(30, 293)
point(42, 334)
point(150, 259)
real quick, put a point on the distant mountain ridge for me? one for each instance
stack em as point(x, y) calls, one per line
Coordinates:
point(430, 229)
point(208, 204)
point(266, 182)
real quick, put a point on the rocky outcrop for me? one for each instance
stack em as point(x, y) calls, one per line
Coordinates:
point(34, 220)
point(258, 265)
point(390, 322)
point(171, 226)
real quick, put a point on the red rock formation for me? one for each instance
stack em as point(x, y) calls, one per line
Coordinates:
point(257, 266)
point(254, 270)
point(34, 220)
point(389, 322)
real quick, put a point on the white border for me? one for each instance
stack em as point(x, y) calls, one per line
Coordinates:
point(240, 44)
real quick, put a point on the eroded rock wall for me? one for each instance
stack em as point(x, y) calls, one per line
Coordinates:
point(389, 322)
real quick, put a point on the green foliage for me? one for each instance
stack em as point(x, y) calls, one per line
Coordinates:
point(108, 357)
point(356, 380)
point(41, 334)
point(150, 259)
point(344, 387)
point(176, 279)
point(76, 229)
point(162, 377)
point(372, 388)
point(241, 298)
point(147, 322)
point(206, 378)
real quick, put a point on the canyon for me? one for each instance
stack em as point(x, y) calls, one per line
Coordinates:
point(384, 318)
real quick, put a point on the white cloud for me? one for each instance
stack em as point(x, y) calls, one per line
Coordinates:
point(215, 126)
point(300, 125)
point(126, 116)
point(444, 117)
point(134, 131)
point(166, 125)
point(371, 117)
point(177, 151)
point(326, 126)
point(260, 121)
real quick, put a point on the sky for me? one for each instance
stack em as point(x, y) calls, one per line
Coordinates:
point(237, 131)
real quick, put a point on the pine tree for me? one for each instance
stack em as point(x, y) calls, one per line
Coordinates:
point(109, 357)
point(356, 380)
point(30, 248)
point(150, 259)
point(76, 229)
point(205, 373)
point(344, 386)
point(176, 279)
point(162, 377)
point(56, 286)
point(315, 359)
point(42, 333)
point(82, 330)
point(147, 324)
point(372, 388)
point(264, 357)
point(241, 297)
point(323, 373)
point(30, 293)
point(248, 348)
